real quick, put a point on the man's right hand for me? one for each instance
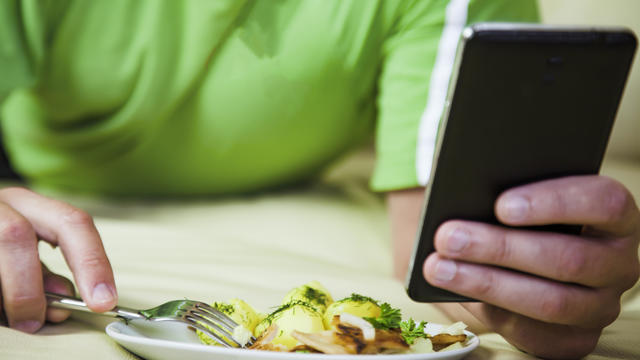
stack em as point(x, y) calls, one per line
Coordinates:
point(25, 218)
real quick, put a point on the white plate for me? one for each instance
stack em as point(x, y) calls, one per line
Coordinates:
point(186, 346)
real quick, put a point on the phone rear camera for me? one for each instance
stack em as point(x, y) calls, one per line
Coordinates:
point(555, 61)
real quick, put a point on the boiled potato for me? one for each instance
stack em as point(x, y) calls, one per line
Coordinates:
point(296, 315)
point(357, 305)
point(239, 311)
point(314, 293)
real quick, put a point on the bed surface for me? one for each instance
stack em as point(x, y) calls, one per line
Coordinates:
point(258, 247)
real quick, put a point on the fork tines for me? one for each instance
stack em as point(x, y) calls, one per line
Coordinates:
point(206, 318)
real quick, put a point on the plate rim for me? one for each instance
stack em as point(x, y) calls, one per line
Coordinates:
point(112, 331)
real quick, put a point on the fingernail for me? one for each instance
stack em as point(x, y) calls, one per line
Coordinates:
point(517, 208)
point(28, 326)
point(102, 294)
point(458, 240)
point(446, 270)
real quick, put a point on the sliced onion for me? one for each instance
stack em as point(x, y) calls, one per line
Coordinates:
point(241, 335)
point(368, 331)
point(432, 329)
point(455, 328)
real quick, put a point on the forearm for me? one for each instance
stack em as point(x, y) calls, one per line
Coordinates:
point(404, 209)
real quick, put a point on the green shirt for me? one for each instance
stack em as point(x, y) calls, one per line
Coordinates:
point(207, 97)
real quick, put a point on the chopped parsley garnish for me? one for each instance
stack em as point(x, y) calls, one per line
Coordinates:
point(281, 308)
point(359, 298)
point(411, 331)
point(224, 308)
point(315, 296)
point(389, 318)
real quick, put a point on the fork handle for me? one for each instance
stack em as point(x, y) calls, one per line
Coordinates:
point(73, 303)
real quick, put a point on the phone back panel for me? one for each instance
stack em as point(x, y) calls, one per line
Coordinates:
point(527, 105)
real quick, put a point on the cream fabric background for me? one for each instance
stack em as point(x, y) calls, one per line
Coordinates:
point(625, 140)
point(256, 248)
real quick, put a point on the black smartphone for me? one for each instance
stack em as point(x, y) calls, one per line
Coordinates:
point(525, 103)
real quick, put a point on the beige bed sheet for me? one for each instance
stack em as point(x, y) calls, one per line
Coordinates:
point(256, 248)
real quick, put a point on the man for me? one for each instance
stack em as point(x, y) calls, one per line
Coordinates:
point(192, 98)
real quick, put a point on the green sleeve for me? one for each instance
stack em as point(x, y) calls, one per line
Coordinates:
point(25, 27)
point(417, 63)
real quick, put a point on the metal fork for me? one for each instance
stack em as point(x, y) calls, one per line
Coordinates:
point(195, 314)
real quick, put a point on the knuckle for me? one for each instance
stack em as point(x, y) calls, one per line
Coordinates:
point(14, 228)
point(572, 264)
point(20, 298)
point(582, 345)
point(589, 343)
point(630, 277)
point(93, 261)
point(558, 202)
point(485, 289)
point(557, 342)
point(24, 302)
point(554, 307)
point(604, 308)
point(634, 273)
point(572, 343)
point(500, 319)
point(502, 249)
point(617, 200)
point(76, 217)
point(610, 313)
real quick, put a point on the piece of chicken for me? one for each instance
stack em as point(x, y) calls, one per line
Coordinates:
point(441, 341)
point(347, 339)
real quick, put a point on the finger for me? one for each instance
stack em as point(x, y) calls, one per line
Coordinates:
point(58, 285)
point(20, 272)
point(597, 201)
point(549, 341)
point(534, 297)
point(74, 232)
point(3, 318)
point(560, 257)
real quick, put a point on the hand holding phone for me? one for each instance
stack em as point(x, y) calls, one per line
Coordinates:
point(516, 216)
point(527, 103)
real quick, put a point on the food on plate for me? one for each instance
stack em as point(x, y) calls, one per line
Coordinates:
point(355, 304)
point(309, 321)
point(240, 312)
point(313, 293)
point(352, 334)
point(446, 338)
point(295, 315)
